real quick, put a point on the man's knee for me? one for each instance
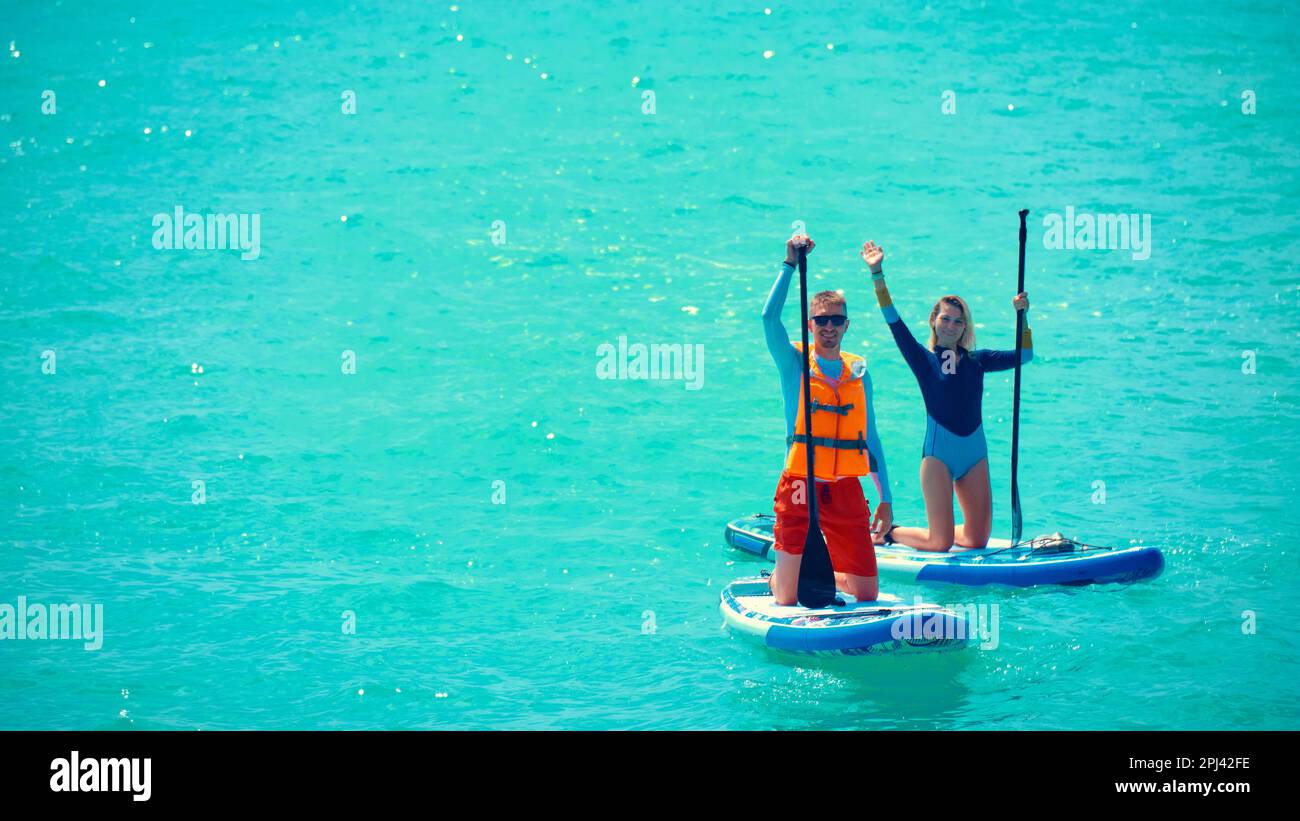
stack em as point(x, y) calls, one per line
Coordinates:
point(786, 595)
point(784, 592)
point(864, 588)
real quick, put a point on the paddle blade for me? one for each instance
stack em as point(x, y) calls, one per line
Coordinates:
point(816, 576)
point(1017, 526)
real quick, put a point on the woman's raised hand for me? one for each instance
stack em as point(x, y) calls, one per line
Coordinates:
point(1021, 301)
point(873, 255)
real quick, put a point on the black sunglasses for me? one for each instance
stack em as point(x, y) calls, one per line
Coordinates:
point(837, 320)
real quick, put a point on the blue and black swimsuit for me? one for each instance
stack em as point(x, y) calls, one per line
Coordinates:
point(954, 430)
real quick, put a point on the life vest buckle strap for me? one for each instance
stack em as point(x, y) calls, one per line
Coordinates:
point(842, 410)
point(859, 444)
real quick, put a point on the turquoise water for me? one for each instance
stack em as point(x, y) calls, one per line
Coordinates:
point(476, 361)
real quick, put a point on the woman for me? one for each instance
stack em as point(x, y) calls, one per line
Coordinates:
point(951, 376)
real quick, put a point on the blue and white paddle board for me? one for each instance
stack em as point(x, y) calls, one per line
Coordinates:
point(1039, 562)
point(881, 627)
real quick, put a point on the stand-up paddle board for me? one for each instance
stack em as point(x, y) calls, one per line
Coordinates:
point(880, 627)
point(1044, 560)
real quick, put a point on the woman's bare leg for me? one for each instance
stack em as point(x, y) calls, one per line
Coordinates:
point(936, 487)
point(976, 500)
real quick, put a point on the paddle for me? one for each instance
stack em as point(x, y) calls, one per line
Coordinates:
point(816, 576)
point(1016, 523)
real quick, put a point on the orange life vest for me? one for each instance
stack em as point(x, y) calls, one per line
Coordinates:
point(839, 424)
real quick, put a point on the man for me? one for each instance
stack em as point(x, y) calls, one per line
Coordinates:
point(845, 438)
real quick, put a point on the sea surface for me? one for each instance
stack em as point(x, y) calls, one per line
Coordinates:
point(373, 477)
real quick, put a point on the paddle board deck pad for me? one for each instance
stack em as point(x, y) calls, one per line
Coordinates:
point(881, 627)
point(1041, 561)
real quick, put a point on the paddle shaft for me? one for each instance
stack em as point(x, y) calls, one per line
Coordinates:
point(816, 584)
point(1016, 520)
point(807, 389)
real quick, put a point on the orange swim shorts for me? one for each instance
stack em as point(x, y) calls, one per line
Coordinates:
point(844, 516)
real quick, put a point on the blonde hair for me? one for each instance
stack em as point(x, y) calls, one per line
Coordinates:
point(830, 299)
point(967, 340)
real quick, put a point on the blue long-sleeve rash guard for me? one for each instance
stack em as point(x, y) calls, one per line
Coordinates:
point(954, 400)
point(790, 367)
